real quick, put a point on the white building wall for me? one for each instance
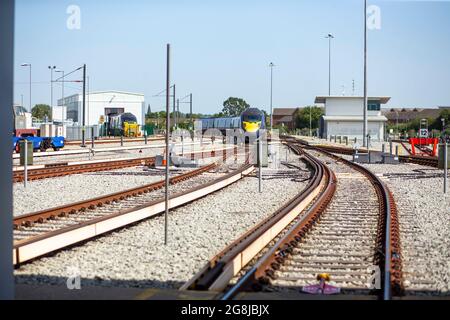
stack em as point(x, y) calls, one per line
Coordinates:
point(354, 129)
point(351, 106)
point(97, 102)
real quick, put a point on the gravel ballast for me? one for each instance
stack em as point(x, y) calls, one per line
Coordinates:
point(54, 192)
point(137, 257)
point(156, 148)
point(424, 214)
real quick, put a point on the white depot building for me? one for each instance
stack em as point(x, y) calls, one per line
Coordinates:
point(344, 117)
point(101, 104)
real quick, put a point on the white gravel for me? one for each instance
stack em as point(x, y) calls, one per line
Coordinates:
point(133, 153)
point(424, 214)
point(48, 193)
point(374, 145)
point(137, 257)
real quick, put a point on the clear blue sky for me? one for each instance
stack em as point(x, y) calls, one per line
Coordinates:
point(223, 48)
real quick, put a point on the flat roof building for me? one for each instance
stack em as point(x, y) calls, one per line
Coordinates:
point(344, 117)
point(101, 104)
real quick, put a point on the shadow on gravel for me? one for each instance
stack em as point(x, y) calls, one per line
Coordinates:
point(42, 287)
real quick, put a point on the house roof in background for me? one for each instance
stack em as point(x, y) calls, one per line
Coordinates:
point(407, 114)
point(284, 111)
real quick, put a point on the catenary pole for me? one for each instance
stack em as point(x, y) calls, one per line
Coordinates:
point(83, 141)
point(365, 144)
point(166, 214)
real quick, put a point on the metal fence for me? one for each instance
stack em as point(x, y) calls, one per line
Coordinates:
point(75, 132)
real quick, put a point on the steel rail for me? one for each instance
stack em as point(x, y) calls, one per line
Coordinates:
point(284, 245)
point(388, 239)
point(63, 169)
point(36, 246)
point(416, 159)
point(41, 216)
point(389, 235)
point(216, 274)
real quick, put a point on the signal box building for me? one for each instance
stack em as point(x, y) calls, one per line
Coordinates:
point(101, 104)
point(344, 117)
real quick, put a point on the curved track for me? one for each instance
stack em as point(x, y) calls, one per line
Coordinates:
point(323, 231)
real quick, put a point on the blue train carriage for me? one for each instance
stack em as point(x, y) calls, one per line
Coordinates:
point(251, 120)
point(40, 143)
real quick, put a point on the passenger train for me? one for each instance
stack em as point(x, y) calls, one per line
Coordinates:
point(250, 121)
point(123, 124)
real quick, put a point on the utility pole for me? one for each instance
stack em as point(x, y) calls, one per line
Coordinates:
point(190, 110)
point(178, 111)
point(365, 78)
point(174, 114)
point(28, 65)
point(166, 214)
point(271, 65)
point(62, 98)
point(329, 36)
point(51, 88)
point(84, 108)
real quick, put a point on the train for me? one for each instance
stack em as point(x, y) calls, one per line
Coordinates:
point(123, 124)
point(250, 121)
point(39, 143)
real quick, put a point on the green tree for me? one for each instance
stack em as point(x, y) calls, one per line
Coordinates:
point(445, 114)
point(39, 111)
point(233, 107)
point(302, 117)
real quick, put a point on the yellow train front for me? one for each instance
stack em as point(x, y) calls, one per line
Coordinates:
point(252, 120)
point(124, 124)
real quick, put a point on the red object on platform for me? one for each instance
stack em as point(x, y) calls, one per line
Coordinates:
point(424, 142)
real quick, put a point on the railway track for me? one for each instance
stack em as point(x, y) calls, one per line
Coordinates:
point(107, 141)
point(43, 232)
point(327, 228)
point(421, 160)
point(64, 169)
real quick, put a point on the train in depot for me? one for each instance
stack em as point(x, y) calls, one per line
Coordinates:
point(43, 138)
point(123, 124)
point(250, 122)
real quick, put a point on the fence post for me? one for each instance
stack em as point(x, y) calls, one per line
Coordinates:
point(25, 165)
point(92, 137)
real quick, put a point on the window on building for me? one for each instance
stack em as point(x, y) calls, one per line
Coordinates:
point(373, 106)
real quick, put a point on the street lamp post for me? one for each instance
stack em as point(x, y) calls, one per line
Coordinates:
point(51, 88)
point(365, 144)
point(28, 65)
point(271, 65)
point(329, 36)
point(62, 98)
